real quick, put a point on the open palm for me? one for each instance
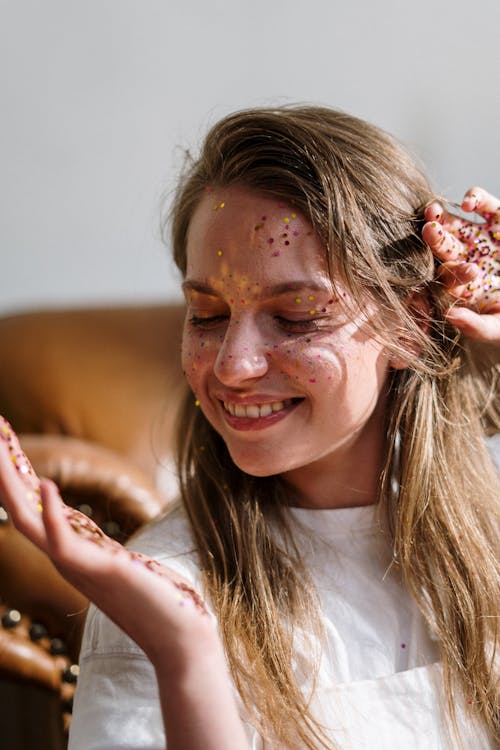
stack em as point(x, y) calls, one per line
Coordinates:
point(135, 591)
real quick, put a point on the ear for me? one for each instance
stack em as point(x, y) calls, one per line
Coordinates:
point(420, 307)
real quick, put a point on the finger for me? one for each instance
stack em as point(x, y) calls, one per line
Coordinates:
point(56, 524)
point(474, 325)
point(436, 212)
point(22, 504)
point(481, 202)
point(81, 552)
point(18, 456)
point(457, 273)
point(443, 244)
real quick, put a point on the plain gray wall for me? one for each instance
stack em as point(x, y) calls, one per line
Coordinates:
point(101, 97)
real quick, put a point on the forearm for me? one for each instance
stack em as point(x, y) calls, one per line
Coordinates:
point(199, 708)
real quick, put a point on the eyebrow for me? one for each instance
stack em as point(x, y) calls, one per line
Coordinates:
point(277, 290)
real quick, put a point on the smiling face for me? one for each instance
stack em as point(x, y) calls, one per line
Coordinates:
point(292, 384)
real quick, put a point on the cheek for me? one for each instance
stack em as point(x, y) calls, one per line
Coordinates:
point(319, 363)
point(199, 349)
point(310, 359)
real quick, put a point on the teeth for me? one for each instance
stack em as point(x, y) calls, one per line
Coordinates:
point(253, 411)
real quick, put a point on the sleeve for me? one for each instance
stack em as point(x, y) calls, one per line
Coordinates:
point(116, 703)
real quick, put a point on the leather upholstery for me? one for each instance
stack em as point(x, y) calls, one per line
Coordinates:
point(110, 376)
point(93, 395)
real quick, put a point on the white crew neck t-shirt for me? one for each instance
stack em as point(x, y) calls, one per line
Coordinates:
point(380, 683)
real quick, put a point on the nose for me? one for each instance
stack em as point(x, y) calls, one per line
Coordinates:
point(241, 356)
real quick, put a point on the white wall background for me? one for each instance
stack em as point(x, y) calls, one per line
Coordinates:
point(100, 97)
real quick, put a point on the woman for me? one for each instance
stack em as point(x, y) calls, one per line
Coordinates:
point(341, 537)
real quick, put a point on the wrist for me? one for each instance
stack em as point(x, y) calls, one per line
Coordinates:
point(196, 650)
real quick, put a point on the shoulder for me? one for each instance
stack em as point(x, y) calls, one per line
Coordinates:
point(168, 536)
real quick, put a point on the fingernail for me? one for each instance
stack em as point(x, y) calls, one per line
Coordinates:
point(472, 197)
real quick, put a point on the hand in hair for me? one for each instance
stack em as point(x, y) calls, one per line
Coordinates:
point(470, 262)
point(156, 607)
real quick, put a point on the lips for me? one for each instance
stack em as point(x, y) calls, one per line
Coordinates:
point(257, 416)
point(255, 411)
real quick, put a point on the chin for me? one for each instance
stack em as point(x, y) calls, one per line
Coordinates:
point(257, 470)
point(260, 466)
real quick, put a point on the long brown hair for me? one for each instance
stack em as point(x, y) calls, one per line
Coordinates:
point(365, 199)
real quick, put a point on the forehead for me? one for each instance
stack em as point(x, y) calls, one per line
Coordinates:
point(235, 233)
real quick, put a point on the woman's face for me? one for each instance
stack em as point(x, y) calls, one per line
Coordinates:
point(284, 376)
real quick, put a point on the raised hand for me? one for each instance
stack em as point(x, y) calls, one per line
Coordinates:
point(156, 607)
point(470, 262)
point(119, 581)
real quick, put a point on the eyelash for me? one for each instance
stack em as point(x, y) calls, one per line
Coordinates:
point(209, 322)
point(305, 325)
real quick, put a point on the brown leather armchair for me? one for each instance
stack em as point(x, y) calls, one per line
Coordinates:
point(93, 395)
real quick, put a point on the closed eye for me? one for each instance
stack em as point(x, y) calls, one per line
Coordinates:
point(206, 322)
point(306, 324)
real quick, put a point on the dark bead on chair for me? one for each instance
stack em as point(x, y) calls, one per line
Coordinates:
point(111, 528)
point(11, 618)
point(38, 631)
point(86, 509)
point(67, 706)
point(71, 673)
point(58, 647)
